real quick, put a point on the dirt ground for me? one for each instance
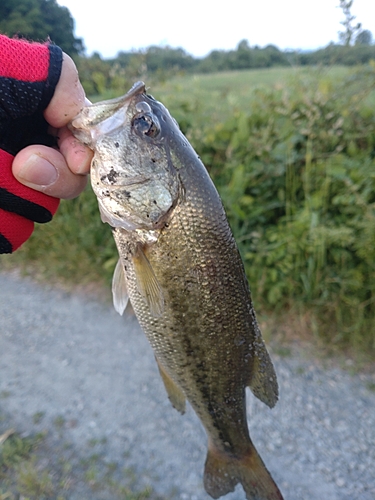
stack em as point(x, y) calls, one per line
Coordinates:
point(72, 369)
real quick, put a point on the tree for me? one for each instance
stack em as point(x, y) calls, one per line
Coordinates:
point(94, 73)
point(243, 45)
point(242, 57)
point(167, 58)
point(40, 20)
point(364, 38)
point(351, 30)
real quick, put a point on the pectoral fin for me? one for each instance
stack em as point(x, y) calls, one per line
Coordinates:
point(148, 284)
point(175, 394)
point(119, 289)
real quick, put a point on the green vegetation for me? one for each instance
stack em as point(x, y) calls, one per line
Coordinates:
point(158, 64)
point(40, 20)
point(296, 173)
point(29, 470)
point(18, 467)
point(46, 19)
point(104, 477)
point(293, 159)
point(154, 65)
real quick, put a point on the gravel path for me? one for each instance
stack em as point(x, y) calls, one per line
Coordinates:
point(75, 361)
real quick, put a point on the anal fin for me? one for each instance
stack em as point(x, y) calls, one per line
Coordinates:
point(175, 394)
point(263, 380)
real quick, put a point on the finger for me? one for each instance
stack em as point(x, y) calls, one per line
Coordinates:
point(77, 156)
point(45, 169)
point(69, 96)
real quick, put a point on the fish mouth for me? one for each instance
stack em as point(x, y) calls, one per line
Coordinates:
point(118, 102)
point(137, 88)
point(92, 120)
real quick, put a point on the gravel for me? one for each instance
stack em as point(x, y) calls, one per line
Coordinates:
point(73, 360)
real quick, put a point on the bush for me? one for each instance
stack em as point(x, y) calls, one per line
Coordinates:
point(296, 172)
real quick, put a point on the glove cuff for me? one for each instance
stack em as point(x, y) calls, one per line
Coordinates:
point(14, 230)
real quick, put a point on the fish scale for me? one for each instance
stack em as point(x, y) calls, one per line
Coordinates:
point(185, 279)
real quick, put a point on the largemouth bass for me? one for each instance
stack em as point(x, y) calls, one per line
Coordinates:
point(181, 269)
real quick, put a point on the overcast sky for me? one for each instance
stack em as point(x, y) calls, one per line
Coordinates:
point(200, 26)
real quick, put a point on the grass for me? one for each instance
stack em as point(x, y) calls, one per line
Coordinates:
point(239, 85)
point(30, 470)
point(212, 97)
point(38, 417)
point(19, 472)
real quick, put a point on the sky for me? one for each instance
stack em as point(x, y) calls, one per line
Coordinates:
point(200, 26)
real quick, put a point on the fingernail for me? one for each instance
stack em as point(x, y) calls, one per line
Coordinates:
point(38, 171)
point(83, 157)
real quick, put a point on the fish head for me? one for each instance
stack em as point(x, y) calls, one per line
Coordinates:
point(132, 174)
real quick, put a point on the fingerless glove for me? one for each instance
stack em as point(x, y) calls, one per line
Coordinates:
point(29, 73)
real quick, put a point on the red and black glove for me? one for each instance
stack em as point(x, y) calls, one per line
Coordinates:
point(29, 73)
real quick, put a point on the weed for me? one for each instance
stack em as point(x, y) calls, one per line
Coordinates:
point(38, 416)
point(96, 441)
point(34, 482)
point(284, 352)
point(59, 422)
point(26, 473)
point(14, 449)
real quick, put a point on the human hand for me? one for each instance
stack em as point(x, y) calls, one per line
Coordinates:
point(62, 172)
point(40, 161)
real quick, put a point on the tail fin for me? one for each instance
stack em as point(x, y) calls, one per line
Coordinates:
point(223, 471)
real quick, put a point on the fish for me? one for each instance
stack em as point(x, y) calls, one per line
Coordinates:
point(181, 269)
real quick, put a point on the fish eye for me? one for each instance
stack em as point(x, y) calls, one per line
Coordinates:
point(143, 107)
point(146, 124)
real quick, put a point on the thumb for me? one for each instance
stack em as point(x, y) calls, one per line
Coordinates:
point(68, 98)
point(45, 169)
